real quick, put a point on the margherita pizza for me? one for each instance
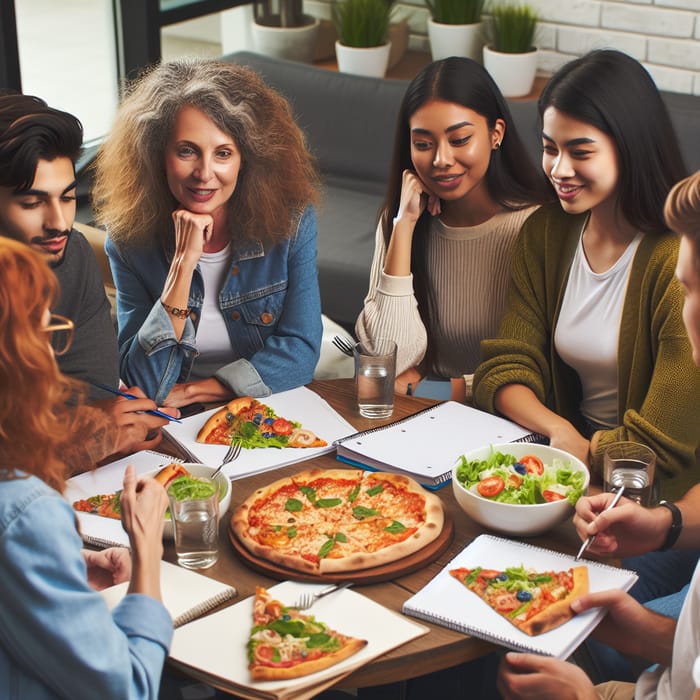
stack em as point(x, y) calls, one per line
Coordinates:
point(336, 520)
point(535, 602)
point(253, 424)
point(286, 644)
point(108, 505)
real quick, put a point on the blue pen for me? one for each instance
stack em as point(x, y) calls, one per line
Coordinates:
point(104, 387)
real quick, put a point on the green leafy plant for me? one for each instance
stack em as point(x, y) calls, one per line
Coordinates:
point(279, 13)
point(455, 11)
point(362, 23)
point(512, 28)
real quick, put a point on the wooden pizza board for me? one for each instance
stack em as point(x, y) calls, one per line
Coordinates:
point(394, 569)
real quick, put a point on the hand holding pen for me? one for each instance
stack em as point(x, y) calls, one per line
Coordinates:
point(136, 420)
point(591, 538)
point(132, 397)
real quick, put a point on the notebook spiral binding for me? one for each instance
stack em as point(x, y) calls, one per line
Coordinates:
point(379, 428)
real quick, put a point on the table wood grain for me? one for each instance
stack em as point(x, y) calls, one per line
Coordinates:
point(441, 648)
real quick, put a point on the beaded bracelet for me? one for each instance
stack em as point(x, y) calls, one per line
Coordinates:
point(178, 313)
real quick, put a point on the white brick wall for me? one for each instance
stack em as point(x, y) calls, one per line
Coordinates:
point(663, 34)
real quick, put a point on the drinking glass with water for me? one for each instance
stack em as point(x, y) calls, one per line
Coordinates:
point(194, 509)
point(375, 374)
point(633, 465)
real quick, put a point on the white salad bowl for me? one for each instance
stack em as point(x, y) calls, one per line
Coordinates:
point(224, 491)
point(515, 519)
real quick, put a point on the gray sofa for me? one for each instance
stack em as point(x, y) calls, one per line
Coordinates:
point(349, 122)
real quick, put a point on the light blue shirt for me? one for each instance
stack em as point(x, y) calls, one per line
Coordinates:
point(58, 639)
point(270, 303)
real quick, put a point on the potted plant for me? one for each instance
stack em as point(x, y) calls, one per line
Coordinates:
point(362, 46)
point(281, 29)
point(511, 56)
point(455, 28)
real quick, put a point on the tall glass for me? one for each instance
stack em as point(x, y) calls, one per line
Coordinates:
point(195, 517)
point(375, 374)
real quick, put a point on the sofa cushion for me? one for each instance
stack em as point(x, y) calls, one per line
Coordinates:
point(347, 222)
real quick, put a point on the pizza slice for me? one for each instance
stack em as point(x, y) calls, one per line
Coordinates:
point(108, 504)
point(254, 424)
point(285, 643)
point(535, 602)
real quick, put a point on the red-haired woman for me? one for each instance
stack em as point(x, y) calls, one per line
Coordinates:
point(57, 636)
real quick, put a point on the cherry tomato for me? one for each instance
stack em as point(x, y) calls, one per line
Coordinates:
point(532, 464)
point(282, 426)
point(550, 496)
point(490, 486)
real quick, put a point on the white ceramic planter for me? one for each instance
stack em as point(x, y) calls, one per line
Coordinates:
point(514, 73)
point(291, 43)
point(455, 40)
point(371, 62)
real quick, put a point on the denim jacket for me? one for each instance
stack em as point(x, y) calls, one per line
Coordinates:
point(270, 303)
point(58, 639)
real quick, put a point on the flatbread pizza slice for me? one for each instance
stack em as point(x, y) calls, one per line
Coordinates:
point(108, 504)
point(285, 644)
point(254, 424)
point(535, 602)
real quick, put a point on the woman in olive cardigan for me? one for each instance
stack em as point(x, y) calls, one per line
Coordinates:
point(658, 383)
point(611, 155)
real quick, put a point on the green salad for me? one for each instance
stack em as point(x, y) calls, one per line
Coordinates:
point(525, 480)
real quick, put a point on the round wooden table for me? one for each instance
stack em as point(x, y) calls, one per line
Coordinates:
point(442, 647)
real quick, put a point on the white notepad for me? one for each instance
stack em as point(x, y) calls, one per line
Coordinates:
point(300, 405)
point(446, 601)
point(97, 530)
point(427, 445)
point(216, 644)
point(186, 594)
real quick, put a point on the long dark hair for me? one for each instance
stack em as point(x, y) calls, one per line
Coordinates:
point(614, 93)
point(512, 180)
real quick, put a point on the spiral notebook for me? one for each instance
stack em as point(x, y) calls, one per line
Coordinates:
point(445, 601)
point(428, 444)
point(187, 595)
point(97, 530)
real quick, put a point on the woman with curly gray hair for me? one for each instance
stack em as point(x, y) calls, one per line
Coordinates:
point(206, 188)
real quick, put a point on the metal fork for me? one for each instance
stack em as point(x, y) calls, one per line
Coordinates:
point(232, 453)
point(306, 600)
point(344, 345)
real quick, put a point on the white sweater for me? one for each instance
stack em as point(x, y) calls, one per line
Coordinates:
point(469, 269)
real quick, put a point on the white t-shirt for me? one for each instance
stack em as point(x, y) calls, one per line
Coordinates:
point(676, 682)
point(588, 331)
point(213, 342)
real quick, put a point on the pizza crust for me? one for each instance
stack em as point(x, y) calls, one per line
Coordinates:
point(560, 612)
point(218, 419)
point(270, 673)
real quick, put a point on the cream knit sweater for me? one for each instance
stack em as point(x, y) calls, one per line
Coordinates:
point(469, 270)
